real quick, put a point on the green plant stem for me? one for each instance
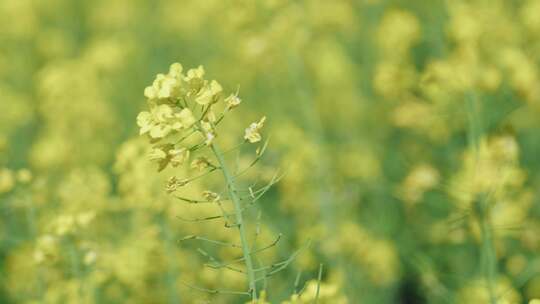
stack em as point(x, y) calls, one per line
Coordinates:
point(319, 279)
point(171, 272)
point(488, 256)
point(75, 265)
point(475, 124)
point(239, 221)
point(489, 262)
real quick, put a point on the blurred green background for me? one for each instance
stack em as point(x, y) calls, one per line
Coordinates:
point(396, 123)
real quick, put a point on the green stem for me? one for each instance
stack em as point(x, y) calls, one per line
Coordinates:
point(488, 256)
point(171, 272)
point(489, 261)
point(239, 221)
point(475, 126)
point(75, 265)
point(31, 219)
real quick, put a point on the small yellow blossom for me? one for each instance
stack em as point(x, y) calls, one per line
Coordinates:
point(46, 248)
point(175, 70)
point(85, 218)
point(209, 138)
point(201, 163)
point(157, 154)
point(232, 101)
point(208, 132)
point(195, 80)
point(65, 224)
point(252, 132)
point(174, 183)
point(260, 300)
point(90, 258)
point(211, 116)
point(328, 293)
point(211, 196)
point(178, 156)
point(195, 74)
point(7, 180)
point(209, 94)
point(163, 87)
point(24, 176)
point(156, 122)
point(186, 118)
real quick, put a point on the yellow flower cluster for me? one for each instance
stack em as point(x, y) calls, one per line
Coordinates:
point(9, 179)
point(327, 293)
point(396, 119)
point(175, 99)
point(475, 292)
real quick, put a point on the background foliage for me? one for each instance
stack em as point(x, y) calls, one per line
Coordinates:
point(393, 121)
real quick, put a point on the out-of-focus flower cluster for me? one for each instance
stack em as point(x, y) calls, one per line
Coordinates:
point(392, 120)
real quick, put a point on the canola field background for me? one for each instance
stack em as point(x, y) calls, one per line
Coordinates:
point(406, 134)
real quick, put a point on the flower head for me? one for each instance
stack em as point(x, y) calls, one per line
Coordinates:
point(174, 99)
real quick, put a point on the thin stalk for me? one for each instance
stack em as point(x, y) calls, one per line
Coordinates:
point(489, 261)
point(229, 179)
point(75, 265)
point(31, 219)
point(171, 272)
point(475, 124)
point(487, 250)
point(319, 278)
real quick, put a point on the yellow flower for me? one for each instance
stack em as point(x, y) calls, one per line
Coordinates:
point(85, 218)
point(176, 70)
point(195, 79)
point(209, 94)
point(186, 118)
point(197, 73)
point(156, 122)
point(174, 183)
point(252, 132)
point(232, 101)
point(46, 248)
point(7, 181)
point(209, 138)
point(163, 155)
point(65, 224)
point(208, 132)
point(260, 300)
point(160, 130)
point(24, 176)
point(161, 120)
point(157, 154)
point(90, 258)
point(164, 86)
point(200, 163)
point(178, 156)
point(211, 196)
point(144, 121)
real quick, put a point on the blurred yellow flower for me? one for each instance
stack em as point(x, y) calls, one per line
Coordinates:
point(7, 180)
point(232, 101)
point(209, 94)
point(252, 132)
point(178, 156)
